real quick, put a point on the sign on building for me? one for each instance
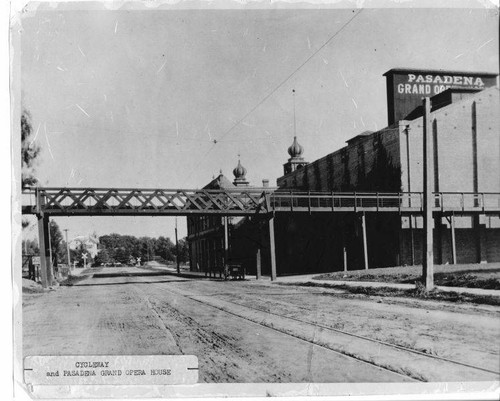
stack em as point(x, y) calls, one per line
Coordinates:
point(406, 87)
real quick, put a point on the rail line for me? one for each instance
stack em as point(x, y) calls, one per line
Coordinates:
point(405, 374)
point(400, 347)
point(373, 365)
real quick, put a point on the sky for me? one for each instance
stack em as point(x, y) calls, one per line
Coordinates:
point(167, 99)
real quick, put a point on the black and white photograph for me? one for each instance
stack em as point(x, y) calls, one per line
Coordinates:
point(221, 199)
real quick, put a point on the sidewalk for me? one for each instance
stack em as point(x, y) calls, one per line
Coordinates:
point(173, 271)
point(308, 278)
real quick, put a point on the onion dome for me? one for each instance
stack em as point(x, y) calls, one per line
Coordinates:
point(239, 175)
point(240, 171)
point(295, 150)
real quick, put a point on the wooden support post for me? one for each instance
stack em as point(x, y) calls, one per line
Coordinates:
point(50, 250)
point(177, 249)
point(438, 238)
point(258, 264)
point(453, 242)
point(365, 245)
point(344, 251)
point(44, 245)
point(412, 240)
point(428, 251)
point(226, 241)
point(272, 248)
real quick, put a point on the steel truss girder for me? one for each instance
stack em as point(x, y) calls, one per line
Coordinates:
point(242, 202)
point(92, 201)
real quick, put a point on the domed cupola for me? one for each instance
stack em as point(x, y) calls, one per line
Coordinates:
point(239, 175)
point(296, 161)
point(295, 150)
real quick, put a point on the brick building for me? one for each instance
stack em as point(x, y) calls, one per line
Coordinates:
point(465, 125)
point(207, 235)
point(466, 145)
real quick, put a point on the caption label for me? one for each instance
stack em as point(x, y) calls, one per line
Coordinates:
point(102, 370)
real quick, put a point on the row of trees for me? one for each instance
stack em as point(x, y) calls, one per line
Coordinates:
point(112, 248)
point(124, 248)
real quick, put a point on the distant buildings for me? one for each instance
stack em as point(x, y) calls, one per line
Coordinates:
point(466, 132)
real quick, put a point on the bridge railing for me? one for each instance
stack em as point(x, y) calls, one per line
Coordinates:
point(244, 201)
point(403, 201)
point(344, 200)
point(453, 201)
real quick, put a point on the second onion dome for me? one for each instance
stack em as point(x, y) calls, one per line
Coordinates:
point(295, 150)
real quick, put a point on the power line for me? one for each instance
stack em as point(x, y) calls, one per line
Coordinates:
point(289, 76)
point(274, 90)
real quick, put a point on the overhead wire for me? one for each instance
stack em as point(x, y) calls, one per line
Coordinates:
point(265, 98)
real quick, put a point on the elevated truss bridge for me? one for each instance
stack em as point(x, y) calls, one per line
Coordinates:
point(52, 202)
point(241, 202)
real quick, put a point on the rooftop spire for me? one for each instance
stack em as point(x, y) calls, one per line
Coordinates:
point(295, 150)
point(239, 174)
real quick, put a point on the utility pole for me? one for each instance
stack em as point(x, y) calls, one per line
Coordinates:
point(428, 251)
point(177, 249)
point(67, 248)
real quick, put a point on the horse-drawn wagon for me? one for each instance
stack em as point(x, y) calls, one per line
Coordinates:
point(235, 271)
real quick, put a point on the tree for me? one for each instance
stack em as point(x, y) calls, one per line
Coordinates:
point(30, 247)
point(148, 248)
point(103, 256)
point(122, 255)
point(183, 251)
point(29, 151)
point(56, 240)
point(123, 248)
point(164, 248)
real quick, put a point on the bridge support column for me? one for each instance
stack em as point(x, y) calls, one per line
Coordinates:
point(480, 234)
point(365, 245)
point(258, 264)
point(44, 245)
point(226, 242)
point(344, 252)
point(412, 240)
point(272, 248)
point(453, 241)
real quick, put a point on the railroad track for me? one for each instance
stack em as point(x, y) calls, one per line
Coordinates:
point(389, 357)
point(348, 349)
point(411, 350)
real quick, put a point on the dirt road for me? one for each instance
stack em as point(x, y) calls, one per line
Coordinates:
point(258, 332)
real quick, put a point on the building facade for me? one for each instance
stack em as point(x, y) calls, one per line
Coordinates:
point(466, 147)
point(216, 240)
point(466, 156)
